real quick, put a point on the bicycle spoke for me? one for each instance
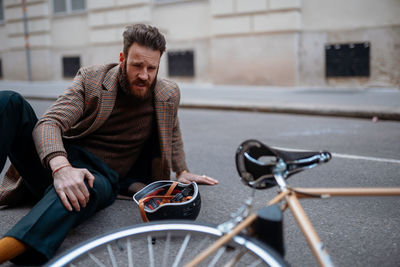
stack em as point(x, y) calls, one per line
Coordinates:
point(235, 259)
point(254, 264)
point(166, 249)
point(129, 249)
point(181, 250)
point(180, 241)
point(200, 247)
point(112, 257)
point(96, 260)
point(150, 248)
point(217, 256)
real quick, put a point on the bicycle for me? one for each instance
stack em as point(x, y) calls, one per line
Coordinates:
point(248, 239)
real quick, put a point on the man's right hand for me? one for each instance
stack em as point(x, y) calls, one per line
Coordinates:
point(69, 183)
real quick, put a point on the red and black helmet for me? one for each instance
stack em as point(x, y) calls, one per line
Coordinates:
point(164, 200)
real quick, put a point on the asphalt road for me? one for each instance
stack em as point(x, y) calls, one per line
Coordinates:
point(356, 231)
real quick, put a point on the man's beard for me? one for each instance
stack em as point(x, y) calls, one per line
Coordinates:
point(127, 87)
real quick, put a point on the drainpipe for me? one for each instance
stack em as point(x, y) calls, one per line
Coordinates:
point(27, 47)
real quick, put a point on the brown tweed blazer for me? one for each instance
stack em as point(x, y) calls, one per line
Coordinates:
point(87, 104)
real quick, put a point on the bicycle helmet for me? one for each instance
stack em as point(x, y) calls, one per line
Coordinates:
point(163, 200)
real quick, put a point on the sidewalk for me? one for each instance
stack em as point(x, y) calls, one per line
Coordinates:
point(383, 103)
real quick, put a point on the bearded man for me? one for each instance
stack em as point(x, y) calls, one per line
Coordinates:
point(113, 131)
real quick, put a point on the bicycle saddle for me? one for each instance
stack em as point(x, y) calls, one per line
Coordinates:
point(257, 164)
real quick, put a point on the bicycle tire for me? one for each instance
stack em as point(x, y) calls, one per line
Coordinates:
point(156, 247)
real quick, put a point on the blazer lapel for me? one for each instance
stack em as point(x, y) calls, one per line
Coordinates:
point(164, 111)
point(164, 118)
point(109, 95)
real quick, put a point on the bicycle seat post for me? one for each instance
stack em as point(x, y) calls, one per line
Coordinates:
point(279, 174)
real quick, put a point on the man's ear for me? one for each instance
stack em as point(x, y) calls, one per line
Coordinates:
point(121, 59)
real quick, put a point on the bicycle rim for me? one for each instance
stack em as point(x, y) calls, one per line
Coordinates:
point(170, 243)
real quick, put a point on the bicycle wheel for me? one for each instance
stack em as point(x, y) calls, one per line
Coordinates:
point(169, 243)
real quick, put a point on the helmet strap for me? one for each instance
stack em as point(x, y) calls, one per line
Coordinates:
point(165, 199)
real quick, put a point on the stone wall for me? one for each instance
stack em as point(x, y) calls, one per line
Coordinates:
point(256, 42)
point(14, 56)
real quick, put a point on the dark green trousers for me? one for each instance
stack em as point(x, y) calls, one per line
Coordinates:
point(48, 222)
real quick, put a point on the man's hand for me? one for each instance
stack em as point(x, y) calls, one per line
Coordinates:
point(69, 183)
point(187, 177)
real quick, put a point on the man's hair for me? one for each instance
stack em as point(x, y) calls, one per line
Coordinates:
point(144, 35)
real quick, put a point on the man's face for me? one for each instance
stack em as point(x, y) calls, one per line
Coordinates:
point(140, 67)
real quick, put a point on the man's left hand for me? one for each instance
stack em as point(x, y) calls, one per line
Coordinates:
point(187, 177)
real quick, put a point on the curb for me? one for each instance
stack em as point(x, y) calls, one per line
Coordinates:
point(332, 111)
point(362, 114)
point(320, 111)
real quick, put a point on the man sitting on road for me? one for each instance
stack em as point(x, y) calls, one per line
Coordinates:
point(113, 131)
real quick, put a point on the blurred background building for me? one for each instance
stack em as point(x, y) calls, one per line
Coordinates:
point(253, 42)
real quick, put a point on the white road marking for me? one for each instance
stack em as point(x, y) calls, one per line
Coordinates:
point(344, 156)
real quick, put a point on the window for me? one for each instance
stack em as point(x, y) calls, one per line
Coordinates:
point(181, 63)
point(1, 11)
point(347, 60)
point(71, 66)
point(68, 6)
point(78, 5)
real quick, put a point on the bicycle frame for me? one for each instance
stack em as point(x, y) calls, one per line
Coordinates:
point(265, 224)
point(291, 196)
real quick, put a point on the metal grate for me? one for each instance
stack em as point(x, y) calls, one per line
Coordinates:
point(59, 6)
point(71, 66)
point(78, 5)
point(181, 63)
point(347, 60)
point(68, 6)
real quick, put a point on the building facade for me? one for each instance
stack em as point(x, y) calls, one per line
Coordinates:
point(253, 42)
